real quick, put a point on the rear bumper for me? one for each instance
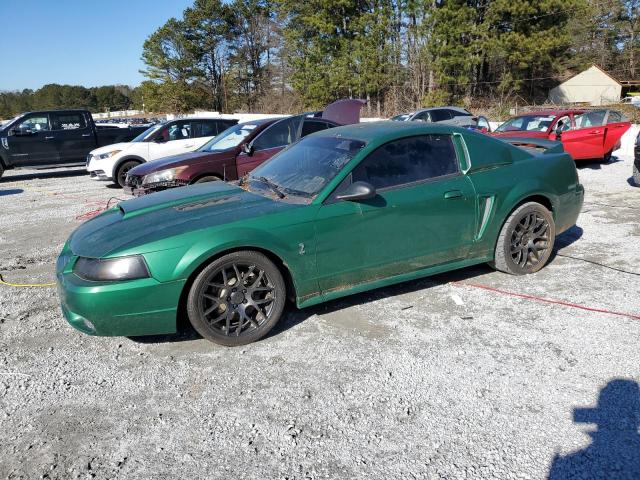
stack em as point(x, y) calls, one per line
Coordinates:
point(133, 308)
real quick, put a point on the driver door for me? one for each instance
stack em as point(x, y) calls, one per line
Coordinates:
point(423, 215)
point(35, 145)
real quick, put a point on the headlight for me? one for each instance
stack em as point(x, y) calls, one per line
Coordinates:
point(163, 175)
point(111, 269)
point(110, 154)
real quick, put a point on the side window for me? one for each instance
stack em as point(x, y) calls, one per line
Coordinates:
point(68, 121)
point(179, 131)
point(483, 123)
point(279, 134)
point(408, 160)
point(440, 115)
point(35, 123)
point(563, 124)
point(423, 117)
point(456, 113)
point(204, 128)
point(614, 117)
point(312, 126)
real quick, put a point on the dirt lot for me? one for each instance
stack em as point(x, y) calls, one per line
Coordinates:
point(441, 378)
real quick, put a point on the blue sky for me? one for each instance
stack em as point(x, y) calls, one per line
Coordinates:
point(77, 42)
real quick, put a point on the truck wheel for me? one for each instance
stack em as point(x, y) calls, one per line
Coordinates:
point(208, 178)
point(237, 298)
point(121, 174)
point(636, 175)
point(526, 240)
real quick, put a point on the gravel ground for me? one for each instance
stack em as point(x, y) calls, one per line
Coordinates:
point(438, 378)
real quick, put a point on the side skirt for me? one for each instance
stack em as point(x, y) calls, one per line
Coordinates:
point(384, 282)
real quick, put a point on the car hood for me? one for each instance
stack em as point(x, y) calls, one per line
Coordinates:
point(110, 148)
point(165, 219)
point(181, 160)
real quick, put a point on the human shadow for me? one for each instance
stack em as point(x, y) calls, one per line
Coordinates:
point(614, 452)
point(632, 182)
point(11, 191)
point(43, 174)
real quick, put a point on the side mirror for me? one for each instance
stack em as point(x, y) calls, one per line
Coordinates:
point(357, 191)
point(248, 148)
point(558, 131)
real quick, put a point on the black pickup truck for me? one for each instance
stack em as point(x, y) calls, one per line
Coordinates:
point(55, 138)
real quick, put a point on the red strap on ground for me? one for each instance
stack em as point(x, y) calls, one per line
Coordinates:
point(545, 300)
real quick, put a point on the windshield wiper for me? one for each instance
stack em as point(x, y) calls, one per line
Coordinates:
point(272, 186)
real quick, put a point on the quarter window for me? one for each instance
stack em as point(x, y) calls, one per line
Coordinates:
point(408, 160)
point(204, 129)
point(312, 126)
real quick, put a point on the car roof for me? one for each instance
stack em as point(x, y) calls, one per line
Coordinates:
point(262, 121)
point(373, 130)
point(457, 109)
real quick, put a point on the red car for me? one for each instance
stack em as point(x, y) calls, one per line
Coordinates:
point(237, 150)
point(585, 134)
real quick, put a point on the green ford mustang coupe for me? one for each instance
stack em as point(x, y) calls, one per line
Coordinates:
point(342, 211)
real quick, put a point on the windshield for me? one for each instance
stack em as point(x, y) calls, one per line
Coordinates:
point(527, 123)
point(230, 138)
point(306, 167)
point(147, 133)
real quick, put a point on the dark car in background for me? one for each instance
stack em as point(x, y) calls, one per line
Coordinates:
point(55, 138)
point(237, 150)
point(447, 115)
point(636, 163)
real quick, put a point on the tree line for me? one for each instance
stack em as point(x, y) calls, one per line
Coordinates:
point(54, 96)
point(287, 55)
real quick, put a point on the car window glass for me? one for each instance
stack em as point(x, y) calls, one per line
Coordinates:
point(279, 134)
point(440, 115)
point(35, 123)
point(204, 129)
point(563, 124)
point(590, 119)
point(614, 117)
point(423, 117)
point(68, 121)
point(528, 123)
point(312, 126)
point(461, 113)
point(408, 160)
point(175, 131)
point(483, 123)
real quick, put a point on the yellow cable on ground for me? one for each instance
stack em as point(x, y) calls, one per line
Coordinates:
point(19, 285)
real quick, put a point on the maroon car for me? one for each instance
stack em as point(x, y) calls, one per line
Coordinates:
point(237, 150)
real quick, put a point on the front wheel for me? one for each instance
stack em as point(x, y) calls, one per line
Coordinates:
point(121, 174)
point(526, 240)
point(237, 298)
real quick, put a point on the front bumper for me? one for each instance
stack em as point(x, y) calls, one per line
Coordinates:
point(129, 308)
point(99, 175)
point(137, 189)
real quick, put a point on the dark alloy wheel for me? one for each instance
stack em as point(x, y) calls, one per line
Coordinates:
point(237, 299)
point(526, 240)
point(121, 175)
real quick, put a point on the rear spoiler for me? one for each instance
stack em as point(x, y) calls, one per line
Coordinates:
point(538, 145)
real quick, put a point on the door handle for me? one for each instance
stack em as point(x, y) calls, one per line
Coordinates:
point(188, 146)
point(595, 132)
point(49, 138)
point(453, 194)
point(86, 134)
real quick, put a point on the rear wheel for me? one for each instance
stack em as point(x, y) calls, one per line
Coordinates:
point(636, 175)
point(121, 173)
point(526, 240)
point(237, 299)
point(208, 178)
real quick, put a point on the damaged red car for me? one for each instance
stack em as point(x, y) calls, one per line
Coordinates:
point(585, 134)
point(237, 150)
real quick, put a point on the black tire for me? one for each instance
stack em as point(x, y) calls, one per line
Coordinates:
point(607, 156)
point(1, 169)
point(237, 299)
point(526, 240)
point(636, 175)
point(121, 173)
point(208, 178)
